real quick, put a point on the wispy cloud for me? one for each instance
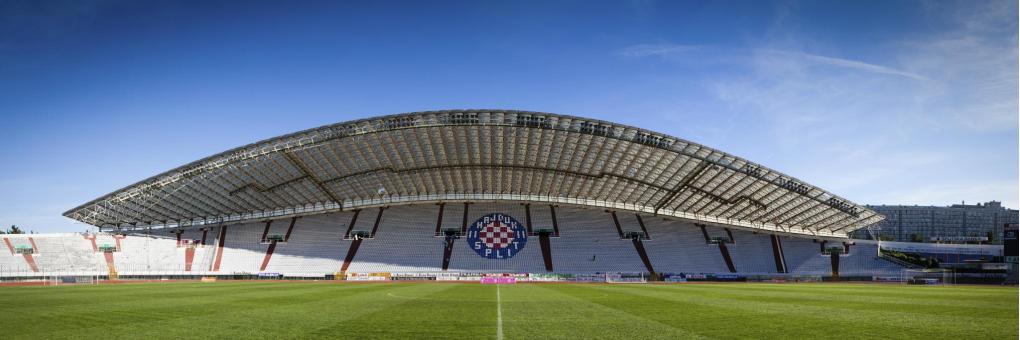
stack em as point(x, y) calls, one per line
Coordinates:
point(847, 63)
point(656, 50)
point(930, 120)
point(974, 74)
point(666, 50)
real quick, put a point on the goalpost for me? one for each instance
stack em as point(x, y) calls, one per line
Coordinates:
point(932, 276)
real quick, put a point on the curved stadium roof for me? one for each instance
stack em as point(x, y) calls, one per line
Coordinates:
point(475, 155)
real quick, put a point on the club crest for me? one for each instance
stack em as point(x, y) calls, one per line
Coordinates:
point(497, 236)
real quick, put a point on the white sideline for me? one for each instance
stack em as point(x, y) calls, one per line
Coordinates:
point(499, 315)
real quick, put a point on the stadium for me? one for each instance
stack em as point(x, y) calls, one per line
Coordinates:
point(487, 201)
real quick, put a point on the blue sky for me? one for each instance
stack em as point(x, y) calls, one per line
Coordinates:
point(894, 102)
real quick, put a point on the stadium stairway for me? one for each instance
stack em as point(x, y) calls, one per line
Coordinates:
point(750, 252)
point(679, 247)
point(802, 256)
point(644, 256)
point(352, 224)
point(269, 255)
point(265, 231)
point(447, 252)
point(555, 222)
point(378, 218)
point(464, 223)
point(314, 246)
point(108, 256)
point(631, 223)
point(863, 259)
point(777, 253)
point(29, 260)
point(455, 220)
point(527, 219)
point(644, 230)
point(720, 242)
point(726, 257)
point(404, 242)
point(590, 243)
point(273, 243)
point(206, 254)
point(28, 257)
point(834, 259)
point(290, 229)
point(92, 239)
point(543, 239)
point(189, 258)
point(704, 232)
point(540, 224)
point(351, 252)
point(109, 265)
point(439, 219)
point(195, 248)
point(221, 239)
point(616, 222)
point(269, 250)
point(243, 250)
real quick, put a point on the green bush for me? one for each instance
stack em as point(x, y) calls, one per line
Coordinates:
point(911, 258)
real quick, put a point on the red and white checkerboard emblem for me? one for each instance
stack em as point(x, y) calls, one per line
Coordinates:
point(497, 236)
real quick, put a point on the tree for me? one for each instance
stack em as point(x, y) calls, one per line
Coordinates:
point(15, 230)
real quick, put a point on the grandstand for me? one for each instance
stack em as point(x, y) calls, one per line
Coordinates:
point(454, 194)
point(405, 242)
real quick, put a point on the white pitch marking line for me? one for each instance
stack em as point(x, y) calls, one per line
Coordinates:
point(499, 315)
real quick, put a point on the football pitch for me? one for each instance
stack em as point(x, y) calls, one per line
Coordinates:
point(303, 310)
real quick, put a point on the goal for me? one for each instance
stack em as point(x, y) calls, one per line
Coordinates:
point(626, 278)
point(932, 276)
point(72, 280)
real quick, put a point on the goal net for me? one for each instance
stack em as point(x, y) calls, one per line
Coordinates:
point(626, 278)
point(935, 276)
point(72, 280)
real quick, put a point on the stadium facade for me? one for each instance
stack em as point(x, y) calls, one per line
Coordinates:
point(463, 191)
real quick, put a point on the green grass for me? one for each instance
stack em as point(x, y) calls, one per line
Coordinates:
point(303, 310)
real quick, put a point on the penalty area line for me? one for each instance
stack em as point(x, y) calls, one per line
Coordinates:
point(499, 315)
